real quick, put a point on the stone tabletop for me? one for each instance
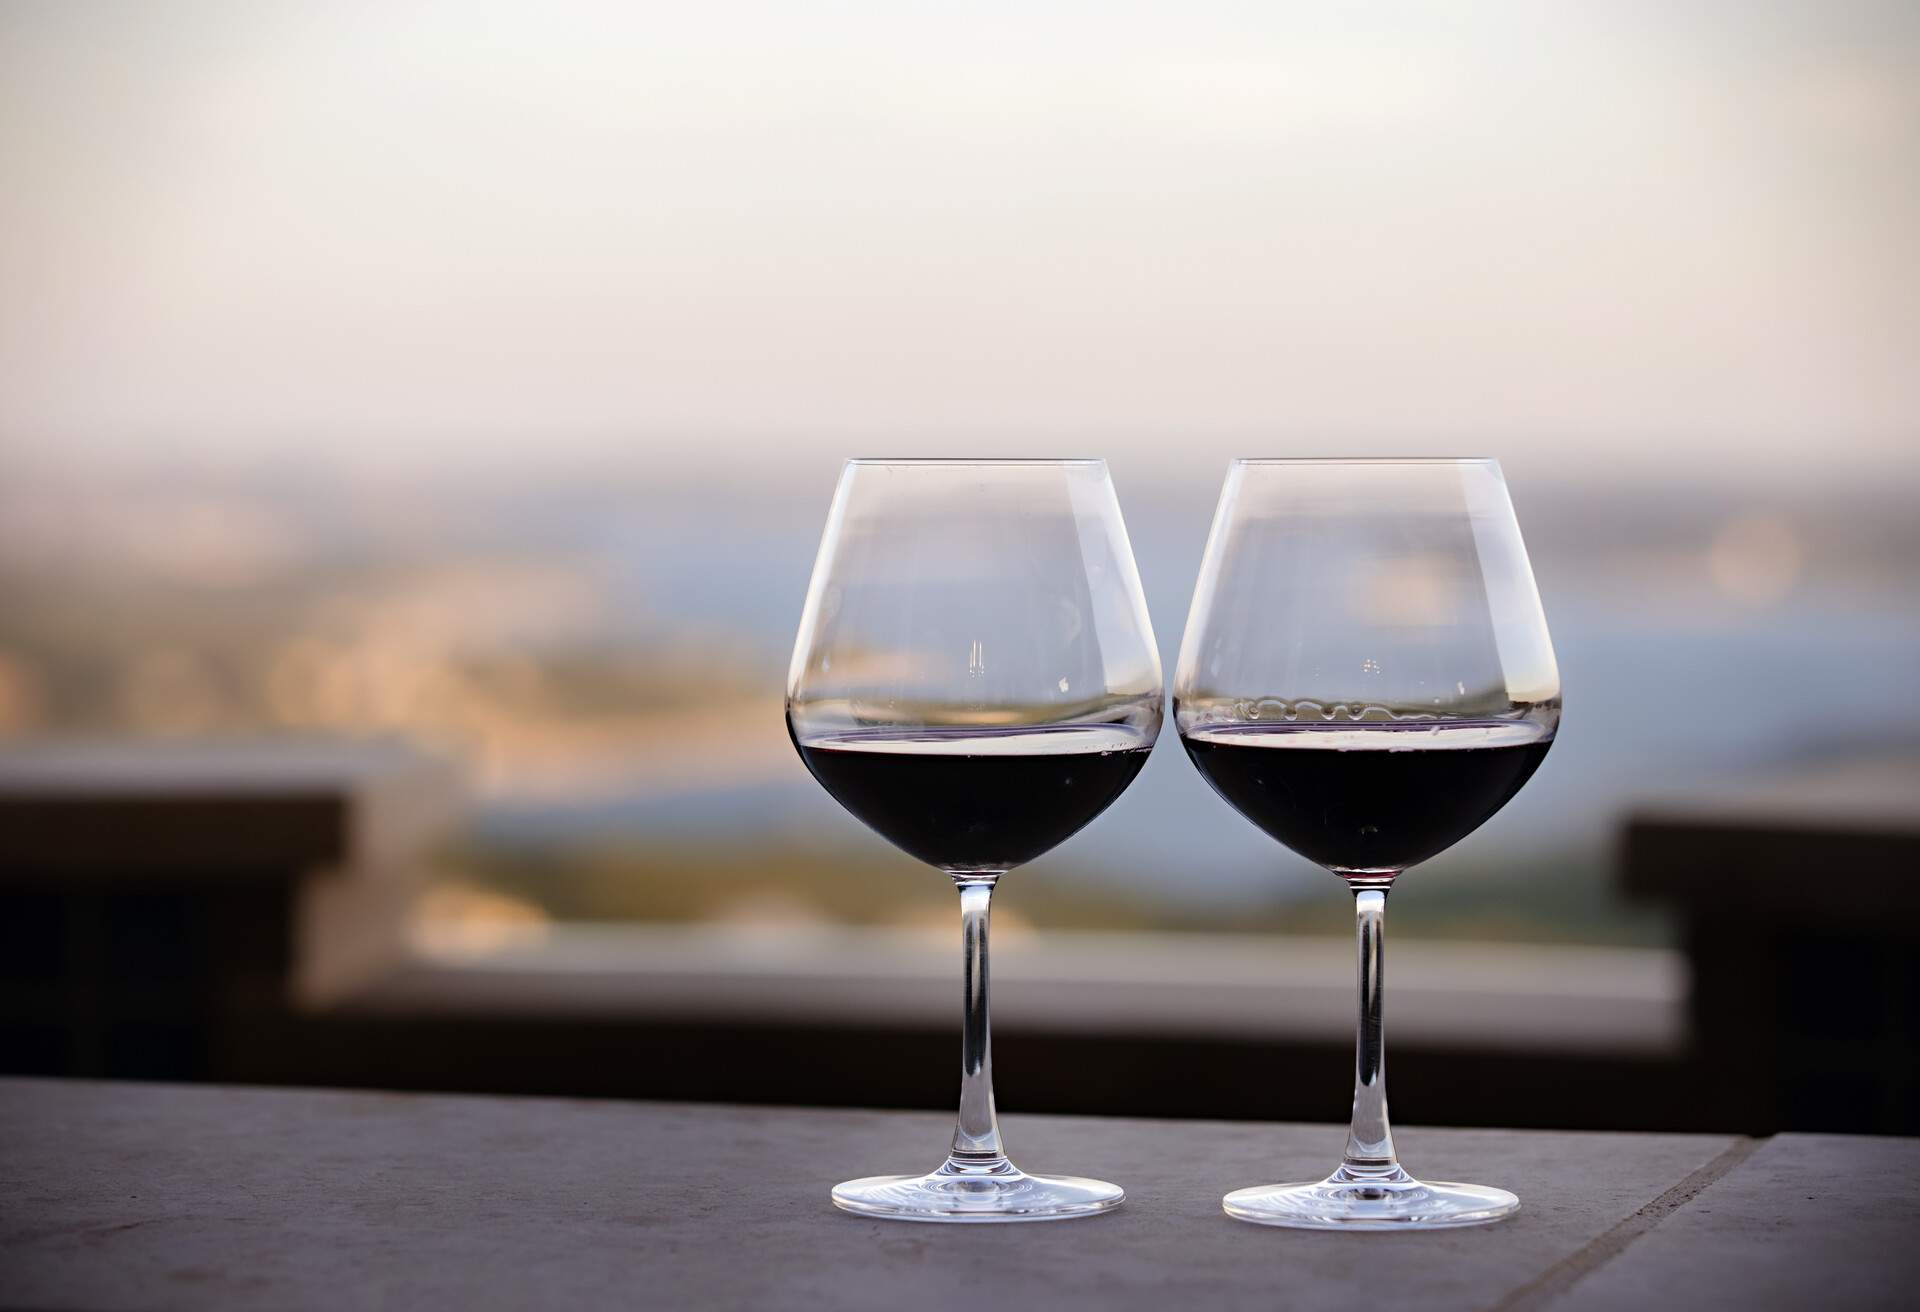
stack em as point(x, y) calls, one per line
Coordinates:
point(121, 1195)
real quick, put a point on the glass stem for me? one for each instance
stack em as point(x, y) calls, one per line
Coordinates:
point(976, 1134)
point(1370, 1138)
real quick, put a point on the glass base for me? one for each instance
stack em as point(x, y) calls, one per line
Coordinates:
point(1350, 1201)
point(1002, 1192)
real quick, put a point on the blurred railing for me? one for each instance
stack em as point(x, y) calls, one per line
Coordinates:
point(244, 913)
point(1800, 904)
point(1250, 987)
point(163, 907)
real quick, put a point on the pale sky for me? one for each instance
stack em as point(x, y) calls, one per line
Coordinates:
point(1578, 235)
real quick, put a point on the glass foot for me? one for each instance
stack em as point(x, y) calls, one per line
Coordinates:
point(1347, 1201)
point(1002, 1192)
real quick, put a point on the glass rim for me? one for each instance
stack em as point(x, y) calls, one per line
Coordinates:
point(977, 460)
point(1366, 460)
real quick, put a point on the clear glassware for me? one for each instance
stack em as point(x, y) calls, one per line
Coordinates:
point(975, 678)
point(1366, 675)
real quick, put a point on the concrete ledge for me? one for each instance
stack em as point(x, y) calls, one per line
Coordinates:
point(119, 811)
point(1255, 987)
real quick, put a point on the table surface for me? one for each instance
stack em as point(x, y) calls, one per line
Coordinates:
point(122, 1195)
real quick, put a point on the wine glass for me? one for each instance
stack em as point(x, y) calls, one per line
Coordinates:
point(976, 679)
point(1366, 675)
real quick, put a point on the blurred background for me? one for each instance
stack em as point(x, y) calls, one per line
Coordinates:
point(465, 386)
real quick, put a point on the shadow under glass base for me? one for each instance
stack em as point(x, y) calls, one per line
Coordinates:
point(1347, 1201)
point(1002, 1192)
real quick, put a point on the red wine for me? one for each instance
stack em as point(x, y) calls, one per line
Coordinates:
point(976, 799)
point(1369, 797)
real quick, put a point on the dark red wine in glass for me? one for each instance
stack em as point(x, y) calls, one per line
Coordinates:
point(973, 799)
point(1370, 798)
